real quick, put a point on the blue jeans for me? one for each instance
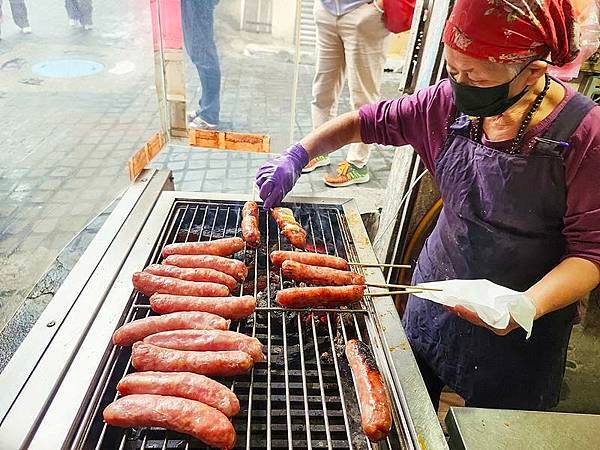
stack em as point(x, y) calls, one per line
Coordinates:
point(198, 34)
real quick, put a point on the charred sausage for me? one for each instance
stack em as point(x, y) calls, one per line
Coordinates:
point(228, 307)
point(233, 267)
point(313, 259)
point(208, 340)
point(192, 274)
point(376, 414)
point(182, 384)
point(149, 284)
point(250, 230)
point(326, 296)
point(201, 421)
point(289, 227)
point(217, 247)
point(213, 364)
point(187, 320)
point(322, 276)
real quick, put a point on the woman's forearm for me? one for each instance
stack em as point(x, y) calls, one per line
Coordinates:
point(565, 284)
point(333, 135)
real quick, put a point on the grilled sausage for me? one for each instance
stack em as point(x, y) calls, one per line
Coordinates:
point(182, 384)
point(208, 340)
point(250, 230)
point(313, 259)
point(326, 296)
point(149, 284)
point(322, 276)
point(201, 421)
point(187, 320)
point(228, 307)
point(233, 267)
point(376, 414)
point(217, 247)
point(213, 364)
point(189, 274)
point(289, 227)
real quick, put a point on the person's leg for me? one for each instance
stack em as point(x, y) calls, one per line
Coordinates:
point(85, 12)
point(72, 9)
point(330, 67)
point(364, 34)
point(19, 13)
point(198, 31)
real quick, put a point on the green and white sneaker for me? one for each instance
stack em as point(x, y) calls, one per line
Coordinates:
point(319, 161)
point(347, 174)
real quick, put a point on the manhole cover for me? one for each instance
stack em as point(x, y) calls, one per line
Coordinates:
point(67, 68)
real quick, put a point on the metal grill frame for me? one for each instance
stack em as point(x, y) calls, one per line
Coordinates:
point(58, 427)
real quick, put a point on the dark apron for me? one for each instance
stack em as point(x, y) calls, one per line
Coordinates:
point(502, 220)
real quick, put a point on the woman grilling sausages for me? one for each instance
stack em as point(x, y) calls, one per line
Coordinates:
point(516, 157)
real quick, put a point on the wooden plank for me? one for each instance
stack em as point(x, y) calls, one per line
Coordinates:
point(229, 140)
point(143, 156)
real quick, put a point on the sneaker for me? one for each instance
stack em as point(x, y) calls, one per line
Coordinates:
point(72, 23)
point(319, 161)
point(26, 30)
point(202, 124)
point(346, 175)
point(88, 27)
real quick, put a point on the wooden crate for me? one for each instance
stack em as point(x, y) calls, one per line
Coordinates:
point(229, 140)
point(144, 155)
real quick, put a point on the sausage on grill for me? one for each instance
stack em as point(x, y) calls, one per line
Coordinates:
point(250, 229)
point(217, 247)
point(289, 227)
point(326, 296)
point(212, 364)
point(201, 421)
point(189, 274)
point(182, 384)
point(376, 414)
point(233, 267)
point(187, 320)
point(322, 276)
point(228, 307)
point(313, 259)
point(208, 340)
point(149, 284)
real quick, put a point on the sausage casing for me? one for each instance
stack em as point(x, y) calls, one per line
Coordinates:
point(192, 274)
point(237, 269)
point(322, 276)
point(149, 284)
point(376, 413)
point(326, 296)
point(194, 320)
point(313, 259)
point(217, 247)
point(201, 421)
point(289, 227)
point(182, 384)
point(208, 340)
point(250, 229)
point(228, 307)
point(212, 364)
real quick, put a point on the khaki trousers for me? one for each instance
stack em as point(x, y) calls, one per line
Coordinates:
point(349, 46)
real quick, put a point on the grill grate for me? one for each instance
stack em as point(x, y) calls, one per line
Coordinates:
point(307, 398)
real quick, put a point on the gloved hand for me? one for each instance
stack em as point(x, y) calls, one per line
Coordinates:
point(277, 177)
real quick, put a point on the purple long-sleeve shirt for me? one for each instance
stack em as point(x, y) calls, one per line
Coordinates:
point(421, 120)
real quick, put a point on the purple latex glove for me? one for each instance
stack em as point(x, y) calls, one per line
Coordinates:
point(277, 177)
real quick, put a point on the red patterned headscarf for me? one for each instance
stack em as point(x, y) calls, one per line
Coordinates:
point(514, 31)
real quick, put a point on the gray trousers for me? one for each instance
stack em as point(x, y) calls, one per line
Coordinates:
point(80, 10)
point(19, 12)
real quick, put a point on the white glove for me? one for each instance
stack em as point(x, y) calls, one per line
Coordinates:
point(494, 304)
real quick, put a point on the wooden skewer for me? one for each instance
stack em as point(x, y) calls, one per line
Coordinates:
point(385, 294)
point(402, 286)
point(397, 266)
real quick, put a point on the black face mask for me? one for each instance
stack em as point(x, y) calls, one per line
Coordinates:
point(484, 101)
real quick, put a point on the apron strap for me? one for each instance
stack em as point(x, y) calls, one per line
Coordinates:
point(565, 124)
